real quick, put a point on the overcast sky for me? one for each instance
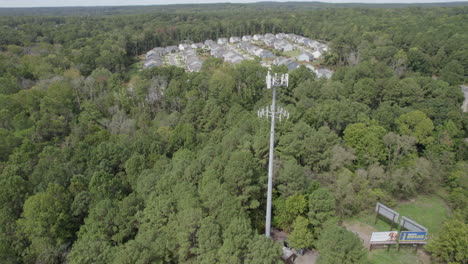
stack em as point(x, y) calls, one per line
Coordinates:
point(43, 3)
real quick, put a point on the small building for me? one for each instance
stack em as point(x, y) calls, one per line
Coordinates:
point(322, 72)
point(233, 40)
point(217, 51)
point(287, 62)
point(209, 42)
point(247, 38)
point(292, 65)
point(152, 63)
point(197, 45)
point(317, 54)
point(313, 44)
point(300, 39)
point(270, 42)
point(235, 59)
point(269, 36)
point(303, 57)
point(283, 45)
point(182, 47)
point(222, 41)
point(150, 53)
point(171, 49)
point(257, 37)
point(194, 65)
point(267, 54)
point(288, 256)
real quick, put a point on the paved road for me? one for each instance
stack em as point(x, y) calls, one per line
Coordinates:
point(465, 103)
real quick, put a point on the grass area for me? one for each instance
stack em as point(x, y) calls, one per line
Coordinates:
point(428, 210)
point(135, 67)
point(292, 53)
point(404, 256)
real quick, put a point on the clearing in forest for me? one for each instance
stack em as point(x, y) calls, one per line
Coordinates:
point(429, 211)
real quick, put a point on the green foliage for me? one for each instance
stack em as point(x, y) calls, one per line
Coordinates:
point(450, 245)
point(287, 210)
point(263, 250)
point(338, 245)
point(367, 141)
point(291, 178)
point(416, 124)
point(301, 236)
point(321, 208)
point(46, 223)
point(166, 166)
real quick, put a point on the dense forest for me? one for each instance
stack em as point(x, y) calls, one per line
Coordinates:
point(102, 162)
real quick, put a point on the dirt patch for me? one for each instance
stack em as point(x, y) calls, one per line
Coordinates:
point(424, 256)
point(278, 235)
point(362, 230)
point(309, 257)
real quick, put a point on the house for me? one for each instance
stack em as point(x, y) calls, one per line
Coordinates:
point(317, 54)
point(313, 44)
point(160, 50)
point(300, 39)
point(209, 42)
point(150, 53)
point(280, 36)
point(189, 53)
point(292, 37)
point(247, 38)
point(288, 256)
point(171, 49)
point(152, 63)
point(291, 65)
point(194, 64)
point(233, 40)
point(244, 45)
point(229, 54)
point(184, 46)
point(217, 51)
point(270, 42)
point(322, 72)
point(222, 41)
point(283, 45)
point(303, 57)
point(270, 38)
point(258, 52)
point(257, 37)
point(233, 57)
point(266, 54)
point(236, 58)
point(197, 45)
point(287, 62)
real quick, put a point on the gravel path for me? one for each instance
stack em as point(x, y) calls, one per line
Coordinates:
point(465, 103)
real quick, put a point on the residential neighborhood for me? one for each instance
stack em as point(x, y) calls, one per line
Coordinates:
point(290, 50)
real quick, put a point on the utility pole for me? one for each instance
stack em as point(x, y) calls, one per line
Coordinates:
point(272, 83)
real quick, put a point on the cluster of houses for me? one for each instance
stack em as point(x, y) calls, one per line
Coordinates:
point(236, 49)
point(317, 48)
point(154, 58)
point(220, 49)
point(255, 50)
point(192, 61)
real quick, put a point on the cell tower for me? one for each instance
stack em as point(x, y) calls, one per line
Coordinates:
point(272, 112)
